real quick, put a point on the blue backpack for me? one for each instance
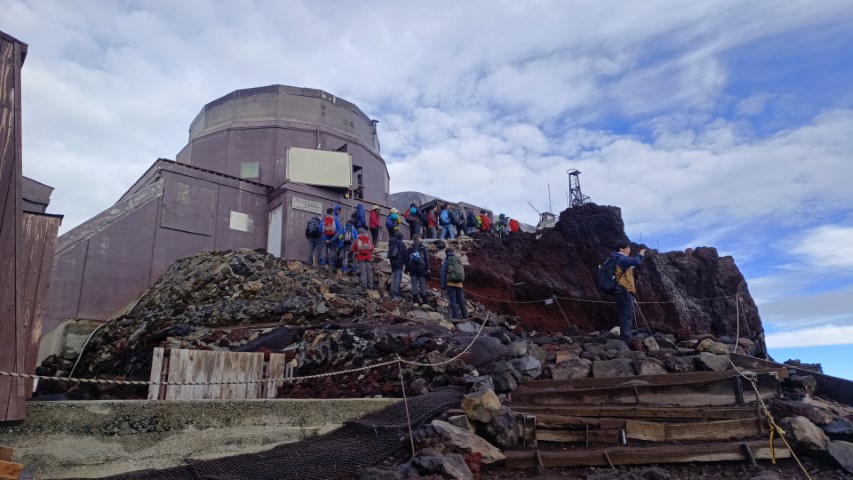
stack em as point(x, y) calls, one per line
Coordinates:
point(391, 221)
point(443, 218)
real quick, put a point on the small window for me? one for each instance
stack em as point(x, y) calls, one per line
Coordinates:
point(250, 170)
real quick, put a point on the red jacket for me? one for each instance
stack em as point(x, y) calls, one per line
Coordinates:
point(513, 225)
point(487, 222)
point(433, 221)
point(362, 255)
point(374, 221)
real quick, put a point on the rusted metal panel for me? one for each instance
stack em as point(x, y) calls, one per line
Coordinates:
point(118, 263)
point(39, 234)
point(188, 208)
point(13, 334)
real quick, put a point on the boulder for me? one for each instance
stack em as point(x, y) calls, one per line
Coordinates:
point(806, 383)
point(805, 436)
point(842, 452)
point(618, 367)
point(529, 366)
point(536, 352)
point(502, 432)
point(462, 440)
point(450, 465)
point(519, 348)
point(505, 377)
point(481, 406)
point(679, 364)
point(839, 429)
point(574, 368)
point(711, 362)
point(711, 346)
point(651, 344)
point(616, 346)
point(460, 421)
point(649, 366)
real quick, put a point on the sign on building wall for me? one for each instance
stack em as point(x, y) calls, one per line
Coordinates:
point(241, 222)
point(307, 205)
point(319, 167)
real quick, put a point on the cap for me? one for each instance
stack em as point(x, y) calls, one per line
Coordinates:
point(393, 210)
point(375, 207)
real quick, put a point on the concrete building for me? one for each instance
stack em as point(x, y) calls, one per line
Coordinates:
point(259, 163)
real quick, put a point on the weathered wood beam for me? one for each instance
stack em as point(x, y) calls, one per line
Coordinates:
point(652, 412)
point(663, 379)
point(717, 430)
point(10, 471)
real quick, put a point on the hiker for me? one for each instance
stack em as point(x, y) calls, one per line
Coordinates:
point(363, 250)
point(345, 239)
point(470, 222)
point(413, 217)
point(314, 234)
point(457, 215)
point(514, 227)
point(446, 223)
point(357, 217)
point(625, 288)
point(431, 222)
point(375, 222)
point(397, 256)
point(417, 266)
point(392, 223)
point(452, 276)
point(331, 229)
point(485, 222)
point(501, 227)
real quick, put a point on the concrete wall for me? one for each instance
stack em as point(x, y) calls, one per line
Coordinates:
point(94, 439)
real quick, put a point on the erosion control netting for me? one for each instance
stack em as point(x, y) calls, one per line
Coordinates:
point(341, 454)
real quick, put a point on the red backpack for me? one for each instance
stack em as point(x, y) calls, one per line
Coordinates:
point(329, 225)
point(364, 245)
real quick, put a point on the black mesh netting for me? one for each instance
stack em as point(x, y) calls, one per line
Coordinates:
point(367, 442)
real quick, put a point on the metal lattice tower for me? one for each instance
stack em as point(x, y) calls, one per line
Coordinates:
point(576, 198)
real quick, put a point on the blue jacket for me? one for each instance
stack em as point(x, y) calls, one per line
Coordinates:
point(361, 221)
point(353, 231)
point(339, 229)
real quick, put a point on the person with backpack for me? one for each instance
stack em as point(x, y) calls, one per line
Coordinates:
point(392, 223)
point(314, 234)
point(622, 283)
point(485, 222)
point(345, 239)
point(413, 217)
point(514, 226)
point(430, 222)
point(331, 229)
point(452, 276)
point(470, 222)
point(417, 265)
point(446, 223)
point(501, 227)
point(357, 217)
point(363, 250)
point(397, 256)
point(458, 217)
point(375, 221)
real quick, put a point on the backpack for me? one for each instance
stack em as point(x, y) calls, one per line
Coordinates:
point(394, 252)
point(443, 218)
point(347, 235)
point(478, 222)
point(329, 225)
point(607, 280)
point(390, 222)
point(415, 257)
point(457, 217)
point(471, 221)
point(364, 244)
point(313, 228)
point(424, 216)
point(455, 270)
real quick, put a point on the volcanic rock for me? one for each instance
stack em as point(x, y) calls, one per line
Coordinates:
point(618, 367)
point(481, 405)
point(842, 452)
point(444, 437)
point(804, 435)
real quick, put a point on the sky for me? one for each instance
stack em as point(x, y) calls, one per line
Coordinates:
point(726, 124)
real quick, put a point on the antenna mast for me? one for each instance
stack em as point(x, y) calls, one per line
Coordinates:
point(577, 197)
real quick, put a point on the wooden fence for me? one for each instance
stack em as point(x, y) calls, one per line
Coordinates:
point(213, 370)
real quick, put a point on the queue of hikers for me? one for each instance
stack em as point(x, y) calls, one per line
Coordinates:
point(448, 222)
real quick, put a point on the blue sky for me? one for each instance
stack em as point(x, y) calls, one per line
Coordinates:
point(724, 124)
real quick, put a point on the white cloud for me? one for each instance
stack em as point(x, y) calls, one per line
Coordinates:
point(812, 337)
point(828, 246)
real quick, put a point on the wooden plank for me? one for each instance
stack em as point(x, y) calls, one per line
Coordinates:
point(6, 453)
point(177, 366)
point(276, 370)
point(718, 430)
point(663, 379)
point(635, 412)
point(13, 336)
point(610, 437)
point(10, 471)
point(156, 372)
point(39, 240)
point(563, 422)
point(706, 452)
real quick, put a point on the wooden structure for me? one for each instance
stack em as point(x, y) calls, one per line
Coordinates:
point(8, 469)
point(213, 371)
point(13, 334)
point(647, 419)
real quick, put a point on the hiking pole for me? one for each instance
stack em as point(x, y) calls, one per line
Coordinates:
point(637, 309)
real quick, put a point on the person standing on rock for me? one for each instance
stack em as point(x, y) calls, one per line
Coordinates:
point(625, 288)
point(452, 276)
point(485, 222)
point(375, 223)
point(431, 222)
point(446, 223)
point(413, 218)
point(331, 229)
point(417, 264)
point(314, 234)
point(397, 257)
point(363, 250)
point(392, 223)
